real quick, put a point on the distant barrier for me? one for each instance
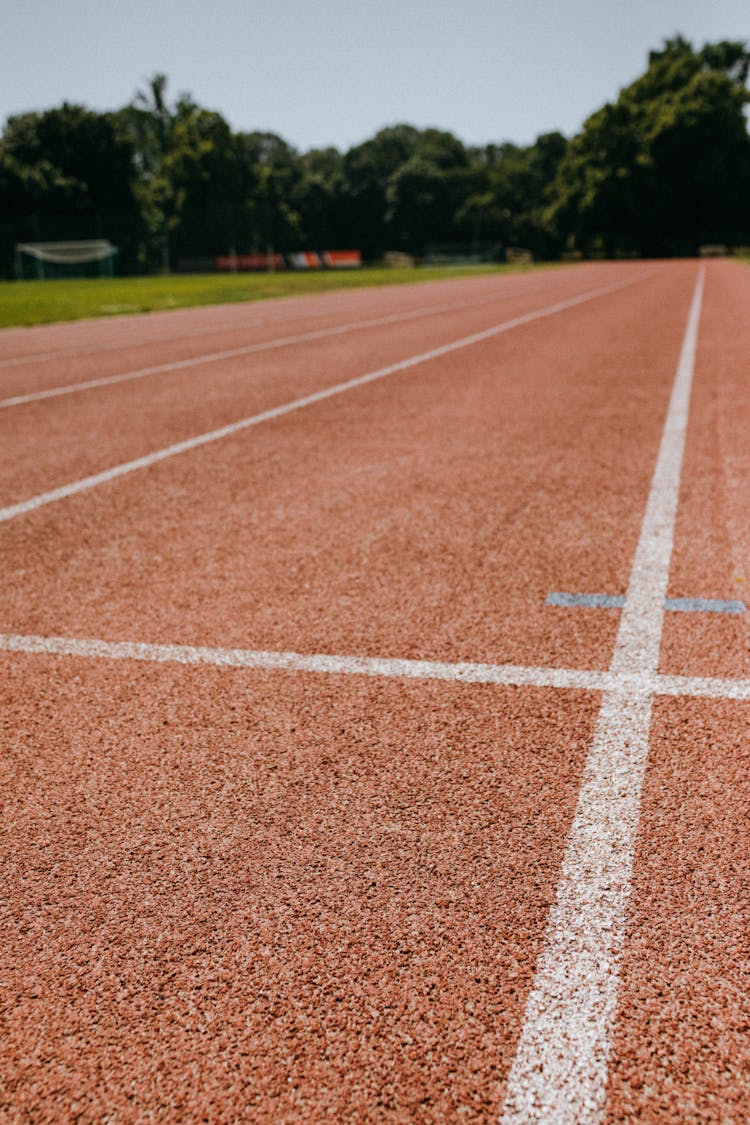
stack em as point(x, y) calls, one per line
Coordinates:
point(298, 260)
point(342, 259)
point(304, 260)
point(236, 262)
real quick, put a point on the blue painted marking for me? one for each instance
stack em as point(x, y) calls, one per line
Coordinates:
point(703, 605)
point(674, 605)
point(598, 601)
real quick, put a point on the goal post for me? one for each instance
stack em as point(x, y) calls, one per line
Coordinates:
point(91, 257)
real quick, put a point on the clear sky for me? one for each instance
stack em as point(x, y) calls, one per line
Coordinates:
point(323, 72)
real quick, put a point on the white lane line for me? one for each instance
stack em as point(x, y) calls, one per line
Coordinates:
point(217, 357)
point(250, 349)
point(285, 317)
point(233, 353)
point(502, 291)
point(559, 1074)
point(78, 353)
point(639, 636)
point(704, 687)
point(149, 459)
point(507, 675)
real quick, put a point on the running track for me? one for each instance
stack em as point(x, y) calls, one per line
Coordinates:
point(317, 803)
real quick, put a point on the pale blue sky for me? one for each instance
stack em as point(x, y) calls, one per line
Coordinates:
point(334, 71)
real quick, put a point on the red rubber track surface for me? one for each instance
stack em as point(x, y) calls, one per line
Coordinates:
point(286, 900)
point(387, 521)
point(95, 428)
point(682, 1049)
point(712, 539)
point(240, 894)
point(33, 359)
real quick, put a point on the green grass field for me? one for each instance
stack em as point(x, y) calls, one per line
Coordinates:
point(42, 302)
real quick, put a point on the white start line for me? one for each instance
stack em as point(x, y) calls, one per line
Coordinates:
point(319, 663)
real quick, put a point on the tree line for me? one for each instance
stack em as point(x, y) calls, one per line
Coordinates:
point(659, 171)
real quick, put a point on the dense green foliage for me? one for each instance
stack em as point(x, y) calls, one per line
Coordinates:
point(661, 170)
point(667, 166)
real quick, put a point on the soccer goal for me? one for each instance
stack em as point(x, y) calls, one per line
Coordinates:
point(92, 257)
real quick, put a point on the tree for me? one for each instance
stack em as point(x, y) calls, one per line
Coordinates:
point(148, 120)
point(318, 198)
point(509, 196)
point(68, 173)
point(402, 187)
point(367, 169)
point(207, 180)
point(277, 174)
point(667, 166)
point(662, 169)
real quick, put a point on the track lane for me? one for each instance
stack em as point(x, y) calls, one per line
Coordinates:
point(697, 778)
point(96, 368)
point(175, 338)
point(681, 1049)
point(346, 529)
point(561, 1066)
point(326, 897)
point(712, 543)
point(51, 442)
point(30, 357)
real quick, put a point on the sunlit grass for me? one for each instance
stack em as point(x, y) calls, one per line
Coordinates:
point(42, 302)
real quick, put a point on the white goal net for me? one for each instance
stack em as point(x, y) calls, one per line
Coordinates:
point(85, 258)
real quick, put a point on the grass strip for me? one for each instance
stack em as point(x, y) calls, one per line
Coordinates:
point(45, 302)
